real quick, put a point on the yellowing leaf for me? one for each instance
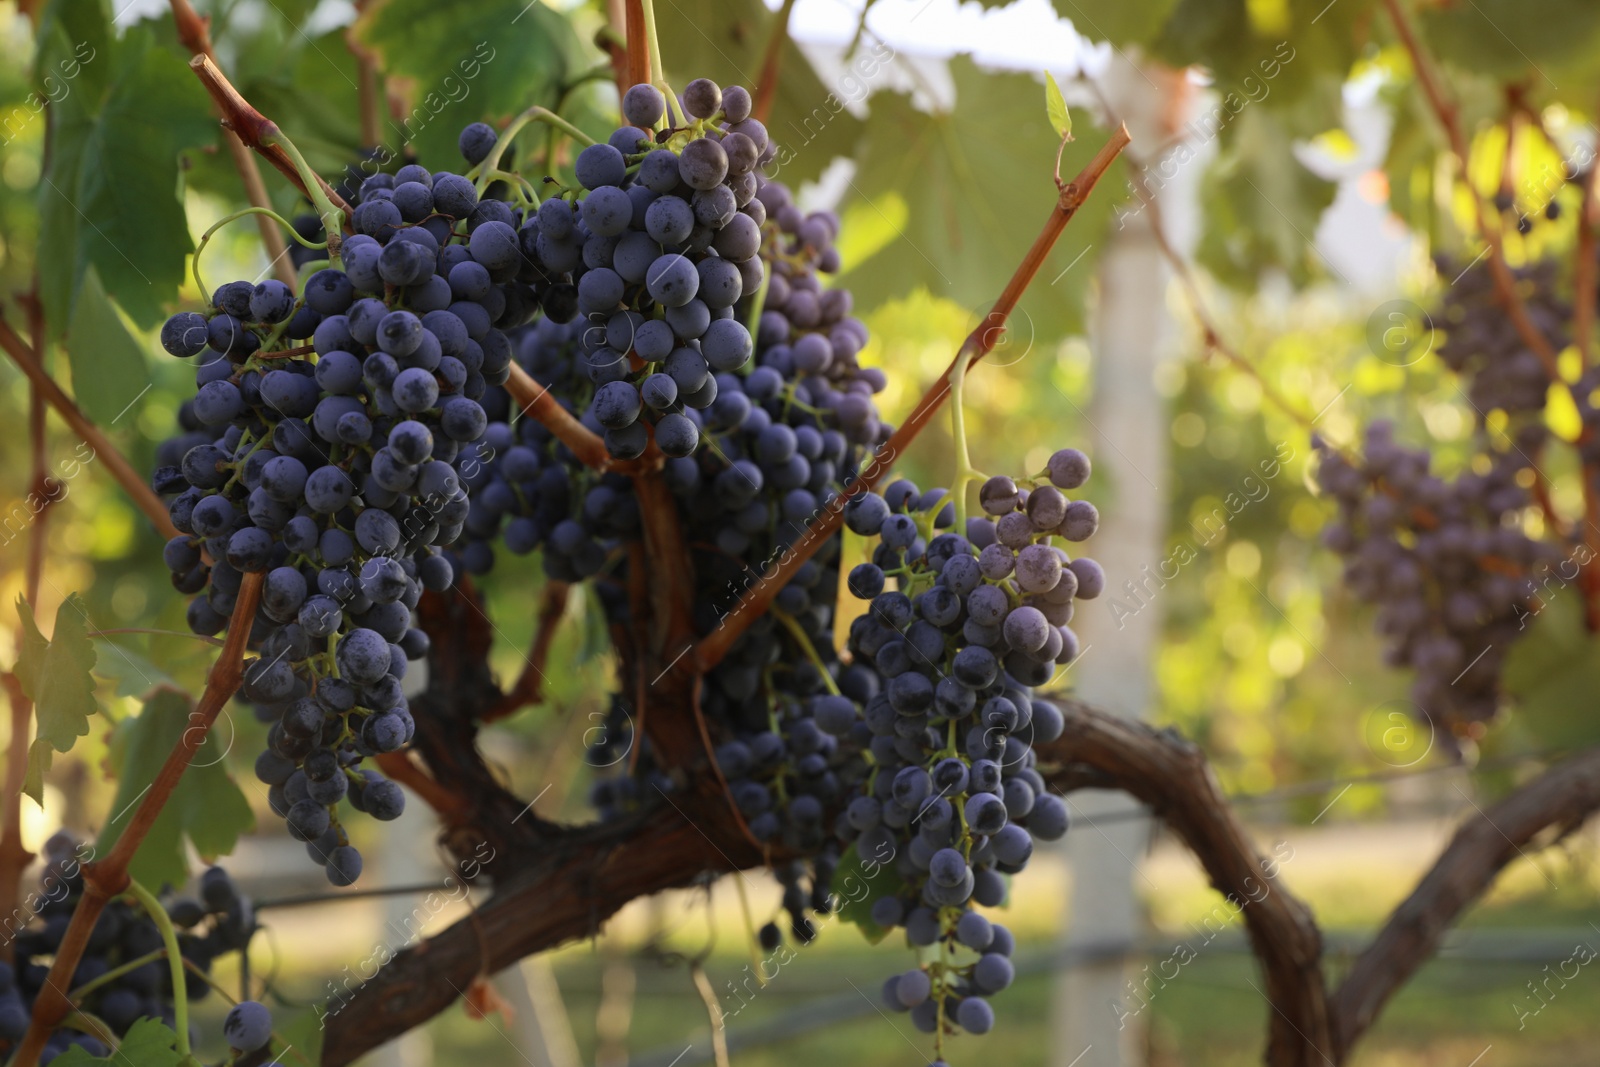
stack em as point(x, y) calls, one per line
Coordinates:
point(1561, 414)
point(1337, 143)
point(1570, 363)
point(869, 228)
point(1055, 106)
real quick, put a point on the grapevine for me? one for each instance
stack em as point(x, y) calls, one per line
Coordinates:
point(605, 342)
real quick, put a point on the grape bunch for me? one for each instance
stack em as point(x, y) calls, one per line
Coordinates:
point(782, 442)
point(1483, 344)
point(652, 258)
point(660, 243)
point(217, 922)
point(1444, 562)
point(331, 467)
point(974, 623)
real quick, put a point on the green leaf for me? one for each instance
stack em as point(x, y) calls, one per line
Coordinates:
point(207, 806)
point(469, 61)
point(865, 230)
point(1124, 23)
point(971, 218)
point(1277, 54)
point(40, 756)
point(108, 365)
point(302, 1035)
point(111, 196)
point(75, 42)
point(55, 674)
point(858, 885)
point(1553, 672)
point(1055, 106)
point(1547, 43)
point(1263, 206)
point(30, 657)
point(133, 671)
point(724, 40)
point(148, 1043)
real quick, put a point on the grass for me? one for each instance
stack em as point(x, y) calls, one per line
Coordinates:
point(1456, 1012)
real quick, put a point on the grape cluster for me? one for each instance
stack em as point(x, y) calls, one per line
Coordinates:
point(1445, 563)
point(1483, 344)
point(783, 441)
point(1506, 205)
point(335, 467)
point(778, 445)
point(217, 922)
point(975, 622)
point(660, 243)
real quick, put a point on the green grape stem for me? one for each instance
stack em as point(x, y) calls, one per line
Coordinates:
point(331, 216)
point(205, 239)
point(791, 624)
point(180, 998)
point(489, 169)
point(965, 472)
point(758, 304)
point(653, 47)
point(114, 973)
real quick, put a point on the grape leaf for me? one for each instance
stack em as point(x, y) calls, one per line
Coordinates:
point(1547, 43)
point(55, 674)
point(207, 806)
point(866, 229)
point(1293, 54)
point(969, 219)
point(108, 366)
point(1124, 23)
point(1055, 106)
point(40, 757)
point(469, 61)
point(110, 197)
point(148, 1043)
point(858, 886)
point(1262, 205)
point(302, 1035)
point(75, 41)
point(133, 671)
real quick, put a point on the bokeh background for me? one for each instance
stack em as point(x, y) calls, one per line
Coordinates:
point(1302, 196)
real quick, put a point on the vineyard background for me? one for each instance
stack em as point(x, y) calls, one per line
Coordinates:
point(1312, 211)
